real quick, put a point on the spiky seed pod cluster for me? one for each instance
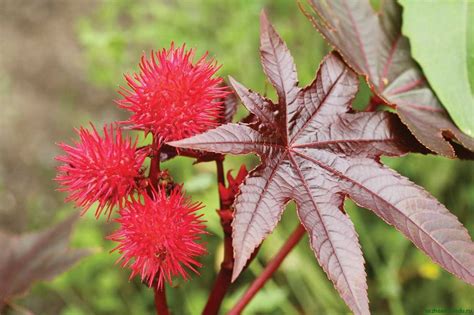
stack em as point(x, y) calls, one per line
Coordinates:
point(171, 97)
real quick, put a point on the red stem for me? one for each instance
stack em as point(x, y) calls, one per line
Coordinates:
point(160, 301)
point(220, 178)
point(276, 261)
point(223, 280)
point(154, 173)
point(374, 102)
point(154, 176)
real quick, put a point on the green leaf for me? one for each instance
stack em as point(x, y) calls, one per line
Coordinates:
point(470, 44)
point(441, 35)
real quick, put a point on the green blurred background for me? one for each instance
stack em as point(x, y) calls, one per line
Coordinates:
point(61, 62)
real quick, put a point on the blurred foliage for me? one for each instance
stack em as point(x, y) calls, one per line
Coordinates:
point(401, 279)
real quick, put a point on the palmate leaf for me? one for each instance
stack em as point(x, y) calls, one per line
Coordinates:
point(35, 256)
point(316, 151)
point(372, 44)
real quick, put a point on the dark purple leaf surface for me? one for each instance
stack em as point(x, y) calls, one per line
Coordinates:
point(375, 48)
point(35, 256)
point(229, 107)
point(316, 151)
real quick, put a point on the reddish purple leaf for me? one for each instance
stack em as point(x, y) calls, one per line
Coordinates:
point(277, 62)
point(35, 256)
point(229, 107)
point(374, 47)
point(315, 150)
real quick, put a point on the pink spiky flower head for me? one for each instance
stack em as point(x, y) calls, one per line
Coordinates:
point(158, 236)
point(172, 96)
point(100, 169)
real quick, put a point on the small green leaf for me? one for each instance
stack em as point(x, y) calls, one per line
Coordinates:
point(441, 36)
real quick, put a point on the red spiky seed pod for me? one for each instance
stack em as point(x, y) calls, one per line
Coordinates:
point(99, 169)
point(158, 237)
point(173, 97)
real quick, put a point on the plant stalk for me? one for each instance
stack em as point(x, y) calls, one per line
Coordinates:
point(160, 301)
point(154, 172)
point(154, 176)
point(276, 261)
point(223, 280)
point(220, 178)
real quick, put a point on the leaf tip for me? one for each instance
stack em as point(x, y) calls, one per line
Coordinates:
point(238, 267)
point(178, 143)
point(232, 81)
point(263, 18)
point(266, 27)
